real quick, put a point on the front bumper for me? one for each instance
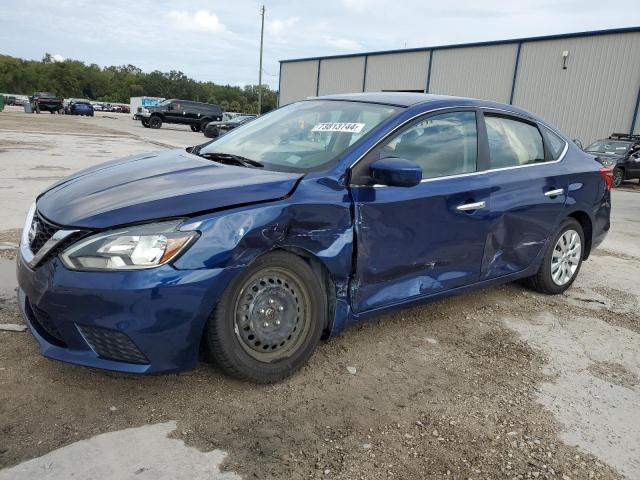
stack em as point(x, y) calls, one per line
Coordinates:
point(145, 321)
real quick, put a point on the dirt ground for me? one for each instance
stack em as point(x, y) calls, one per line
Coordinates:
point(482, 386)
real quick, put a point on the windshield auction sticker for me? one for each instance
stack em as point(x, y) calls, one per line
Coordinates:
point(338, 127)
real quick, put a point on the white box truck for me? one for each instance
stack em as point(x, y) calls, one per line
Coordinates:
point(138, 103)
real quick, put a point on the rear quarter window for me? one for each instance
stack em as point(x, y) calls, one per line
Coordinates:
point(555, 143)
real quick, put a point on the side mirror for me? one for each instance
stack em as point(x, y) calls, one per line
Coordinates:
point(578, 143)
point(396, 172)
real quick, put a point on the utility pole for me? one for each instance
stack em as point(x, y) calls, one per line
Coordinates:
point(260, 72)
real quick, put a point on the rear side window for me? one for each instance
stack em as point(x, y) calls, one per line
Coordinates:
point(555, 144)
point(513, 143)
point(442, 145)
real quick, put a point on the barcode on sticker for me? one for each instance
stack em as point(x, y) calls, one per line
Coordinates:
point(338, 127)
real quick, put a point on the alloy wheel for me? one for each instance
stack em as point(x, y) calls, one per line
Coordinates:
point(566, 257)
point(618, 177)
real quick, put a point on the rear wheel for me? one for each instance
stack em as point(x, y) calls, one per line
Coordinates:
point(203, 125)
point(155, 122)
point(562, 260)
point(269, 320)
point(618, 177)
point(195, 128)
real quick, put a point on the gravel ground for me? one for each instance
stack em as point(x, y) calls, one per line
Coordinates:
point(481, 386)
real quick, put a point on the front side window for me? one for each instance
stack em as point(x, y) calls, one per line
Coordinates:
point(302, 137)
point(513, 143)
point(442, 145)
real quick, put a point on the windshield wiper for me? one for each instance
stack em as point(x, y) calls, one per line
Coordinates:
point(231, 159)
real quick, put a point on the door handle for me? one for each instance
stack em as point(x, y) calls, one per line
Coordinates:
point(554, 193)
point(465, 207)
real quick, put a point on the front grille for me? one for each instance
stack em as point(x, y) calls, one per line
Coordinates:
point(62, 245)
point(40, 232)
point(112, 345)
point(45, 326)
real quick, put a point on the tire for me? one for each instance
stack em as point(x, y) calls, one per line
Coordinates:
point(145, 123)
point(618, 177)
point(195, 128)
point(277, 287)
point(203, 124)
point(155, 122)
point(546, 280)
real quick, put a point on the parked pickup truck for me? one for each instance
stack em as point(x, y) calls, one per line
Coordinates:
point(46, 101)
point(187, 112)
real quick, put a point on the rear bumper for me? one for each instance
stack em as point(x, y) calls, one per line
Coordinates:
point(147, 321)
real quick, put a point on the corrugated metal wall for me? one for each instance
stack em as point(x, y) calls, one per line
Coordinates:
point(478, 72)
point(341, 75)
point(397, 71)
point(298, 80)
point(594, 96)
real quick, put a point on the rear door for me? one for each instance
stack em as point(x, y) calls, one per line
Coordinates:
point(528, 185)
point(418, 241)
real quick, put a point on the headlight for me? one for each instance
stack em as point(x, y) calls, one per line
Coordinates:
point(608, 162)
point(134, 248)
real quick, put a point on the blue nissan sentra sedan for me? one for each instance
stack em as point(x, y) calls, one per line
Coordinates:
point(300, 223)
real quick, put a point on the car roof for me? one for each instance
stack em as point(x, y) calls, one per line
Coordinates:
point(409, 99)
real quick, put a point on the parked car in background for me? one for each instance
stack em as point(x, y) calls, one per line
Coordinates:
point(254, 246)
point(217, 129)
point(78, 106)
point(620, 152)
point(46, 102)
point(98, 107)
point(185, 112)
point(124, 108)
point(226, 116)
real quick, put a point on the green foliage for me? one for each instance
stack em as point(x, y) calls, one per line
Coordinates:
point(75, 79)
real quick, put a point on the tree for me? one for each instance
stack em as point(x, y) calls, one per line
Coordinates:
point(72, 78)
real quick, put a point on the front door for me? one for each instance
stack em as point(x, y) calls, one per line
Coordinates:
point(417, 241)
point(633, 164)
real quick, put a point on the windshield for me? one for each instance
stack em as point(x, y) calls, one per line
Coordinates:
point(608, 147)
point(302, 137)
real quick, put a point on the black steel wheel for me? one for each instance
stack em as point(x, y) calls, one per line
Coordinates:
point(269, 320)
point(155, 122)
point(145, 123)
point(195, 128)
point(203, 125)
point(618, 177)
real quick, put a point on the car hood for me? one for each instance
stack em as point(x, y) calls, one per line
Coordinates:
point(147, 187)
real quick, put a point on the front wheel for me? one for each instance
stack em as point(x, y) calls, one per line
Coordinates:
point(562, 260)
point(618, 177)
point(155, 122)
point(145, 123)
point(269, 320)
point(195, 128)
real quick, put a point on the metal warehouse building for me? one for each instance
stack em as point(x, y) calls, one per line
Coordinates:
point(588, 84)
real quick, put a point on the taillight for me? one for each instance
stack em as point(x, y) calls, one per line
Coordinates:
point(607, 176)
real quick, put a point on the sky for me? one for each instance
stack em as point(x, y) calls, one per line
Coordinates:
point(218, 40)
